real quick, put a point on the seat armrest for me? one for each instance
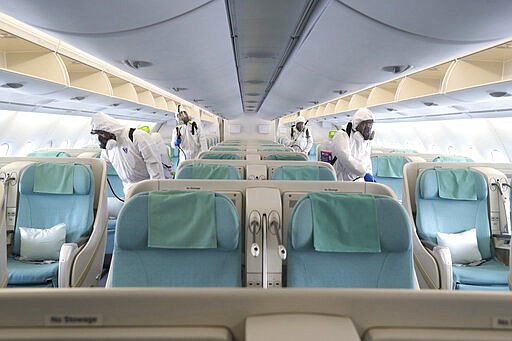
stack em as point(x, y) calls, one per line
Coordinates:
point(68, 252)
point(443, 258)
point(428, 245)
point(82, 241)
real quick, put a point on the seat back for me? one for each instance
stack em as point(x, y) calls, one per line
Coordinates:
point(208, 171)
point(161, 241)
point(53, 193)
point(220, 155)
point(388, 170)
point(285, 156)
point(49, 153)
point(451, 204)
point(349, 240)
point(315, 172)
point(451, 158)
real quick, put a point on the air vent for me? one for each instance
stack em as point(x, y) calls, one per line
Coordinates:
point(396, 68)
point(196, 100)
point(115, 104)
point(430, 104)
point(12, 85)
point(340, 92)
point(78, 98)
point(314, 102)
point(251, 101)
point(254, 81)
point(136, 64)
point(390, 109)
point(252, 94)
point(499, 94)
point(177, 89)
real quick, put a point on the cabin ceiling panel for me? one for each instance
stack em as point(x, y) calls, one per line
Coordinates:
point(60, 16)
point(456, 21)
point(326, 60)
point(186, 43)
point(343, 46)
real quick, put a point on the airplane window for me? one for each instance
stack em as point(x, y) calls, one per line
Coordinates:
point(4, 149)
point(498, 156)
point(49, 143)
point(28, 148)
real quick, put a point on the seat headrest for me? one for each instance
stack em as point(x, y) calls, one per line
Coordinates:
point(133, 221)
point(392, 223)
point(56, 178)
point(470, 185)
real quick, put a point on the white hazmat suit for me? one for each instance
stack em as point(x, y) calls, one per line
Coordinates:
point(192, 142)
point(301, 141)
point(133, 161)
point(353, 152)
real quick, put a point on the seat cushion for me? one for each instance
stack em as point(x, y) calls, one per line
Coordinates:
point(21, 273)
point(490, 273)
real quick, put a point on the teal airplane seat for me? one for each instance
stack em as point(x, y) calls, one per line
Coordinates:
point(343, 240)
point(50, 194)
point(177, 239)
point(303, 173)
point(220, 156)
point(452, 211)
point(286, 156)
point(388, 170)
point(208, 171)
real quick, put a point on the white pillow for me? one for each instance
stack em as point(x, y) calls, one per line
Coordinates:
point(463, 246)
point(42, 244)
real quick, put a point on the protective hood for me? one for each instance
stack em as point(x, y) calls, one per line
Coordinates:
point(360, 116)
point(101, 121)
point(300, 119)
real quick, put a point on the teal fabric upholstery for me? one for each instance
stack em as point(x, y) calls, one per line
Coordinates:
point(303, 173)
point(44, 210)
point(135, 264)
point(342, 237)
point(190, 230)
point(49, 153)
point(208, 171)
point(392, 175)
point(117, 186)
point(390, 268)
point(53, 178)
point(221, 156)
point(286, 156)
point(226, 149)
point(453, 158)
point(436, 214)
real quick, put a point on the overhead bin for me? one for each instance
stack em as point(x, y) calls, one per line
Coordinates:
point(84, 77)
point(44, 65)
point(341, 105)
point(145, 96)
point(359, 100)
point(160, 102)
point(384, 93)
point(330, 108)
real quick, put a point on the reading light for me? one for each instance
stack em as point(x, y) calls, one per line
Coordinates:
point(396, 68)
point(499, 94)
point(136, 64)
point(12, 85)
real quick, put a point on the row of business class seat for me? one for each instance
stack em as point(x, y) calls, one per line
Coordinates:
point(169, 235)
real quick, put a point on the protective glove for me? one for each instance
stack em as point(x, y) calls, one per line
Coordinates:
point(177, 143)
point(369, 178)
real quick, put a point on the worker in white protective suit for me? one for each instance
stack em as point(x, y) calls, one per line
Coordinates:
point(161, 149)
point(187, 137)
point(351, 148)
point(301, 139)
point(128, 150)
